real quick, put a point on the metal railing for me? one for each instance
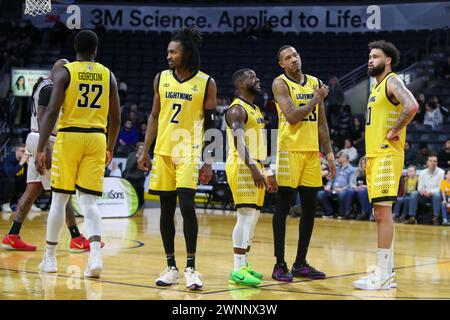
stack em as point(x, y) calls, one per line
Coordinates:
point(353, 77)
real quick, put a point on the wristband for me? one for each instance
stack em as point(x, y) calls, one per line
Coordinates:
point(267, 172)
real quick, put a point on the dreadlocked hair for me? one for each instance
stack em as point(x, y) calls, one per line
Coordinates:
point(191, 40)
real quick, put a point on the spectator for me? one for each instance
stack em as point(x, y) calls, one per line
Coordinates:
point(128, 136)
point(433, 116)
point(335, 99)
point(361, 190)
point(341, 187)
point(139, 115)
point(420, 114)
point(408, 185)
point(133, 117)
point(270, 109)
point(422, 157)
point(444, 156)
point(409, 154)
point(350, 150)
point(14, 178)
point(427, 191)
point(132, 173)
point(324, 168)
point(444, 111)
point(358, 135)
point(445, 193)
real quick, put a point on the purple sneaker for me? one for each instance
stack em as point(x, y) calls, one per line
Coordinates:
point(306, 271)
point(281, 273)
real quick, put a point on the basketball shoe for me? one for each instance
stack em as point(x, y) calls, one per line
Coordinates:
point(254, 273)
point(168, 277)
point(306, 271)
point(374, 281)
point(48, 264)
point(13, 242)
point(95, 265)
point(193, 281)
point(281, 273)
point(81, 244)
point(243, 277)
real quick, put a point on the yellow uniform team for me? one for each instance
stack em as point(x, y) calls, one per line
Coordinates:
point(78, 160)
point(385, 158)
point(180, 132)
point(239, 176)
point(298, 161)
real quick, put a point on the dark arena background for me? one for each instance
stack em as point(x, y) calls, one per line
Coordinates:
point(332, 39)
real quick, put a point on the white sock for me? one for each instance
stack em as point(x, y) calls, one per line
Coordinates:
point(56, 215)
point(246, 259)
point(95, 247)
point(239, 261)
point(92, 216)
point(383, 261)
point(50, 250)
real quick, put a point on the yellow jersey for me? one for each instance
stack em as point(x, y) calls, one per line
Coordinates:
point(382, 114)
point(181, 118)
point(255, 138)
point(304, 135)
point(86, 101)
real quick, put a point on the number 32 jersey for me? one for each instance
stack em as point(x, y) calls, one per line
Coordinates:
point(86, 102)
point(181, 118)
point(304, 135)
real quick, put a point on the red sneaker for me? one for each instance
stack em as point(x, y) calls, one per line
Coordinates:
point(81, 244)
point(13, 242)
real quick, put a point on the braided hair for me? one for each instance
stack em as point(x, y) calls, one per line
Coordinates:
point(191, 39)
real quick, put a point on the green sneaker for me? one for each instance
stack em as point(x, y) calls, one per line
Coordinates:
point(244, 278)
point(254, 273)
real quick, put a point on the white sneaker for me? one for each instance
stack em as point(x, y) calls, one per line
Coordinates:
point(35, 208)
point(193, 281)
point(168, 277)
point(48, 264)
point(6, 207)
point(373, 281)
point(95, 266)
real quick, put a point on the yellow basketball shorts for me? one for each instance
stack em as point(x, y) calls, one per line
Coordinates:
point(171, 173)
point(245, 193)
point(78, 161)
point(383, 177)
point(299, 169)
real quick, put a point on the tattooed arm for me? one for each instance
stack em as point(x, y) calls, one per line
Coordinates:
point(324, 140)
point(290, 112)
point(398, 92)
point(236, 117)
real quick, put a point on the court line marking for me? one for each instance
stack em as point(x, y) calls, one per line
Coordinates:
point(236, 289)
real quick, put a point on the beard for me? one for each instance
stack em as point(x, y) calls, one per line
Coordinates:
point(376, 70)
point(253, 90)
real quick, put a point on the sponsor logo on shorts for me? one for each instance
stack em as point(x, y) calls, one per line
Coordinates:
point(384, 191)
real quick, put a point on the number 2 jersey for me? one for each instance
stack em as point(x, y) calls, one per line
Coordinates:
point(181, 118)
point(86, 102)
point(304, 135)
point(382, 114)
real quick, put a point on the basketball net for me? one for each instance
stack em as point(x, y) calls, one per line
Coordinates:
point(37, 7)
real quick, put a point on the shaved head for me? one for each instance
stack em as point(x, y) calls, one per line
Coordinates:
point(58, 64)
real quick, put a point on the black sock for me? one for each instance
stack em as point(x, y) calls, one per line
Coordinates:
point(167, 223)
point(308, 199)
point(190, 262)
point(171, 261)
point(15, 228)
point(284, 201)
point(74, 232)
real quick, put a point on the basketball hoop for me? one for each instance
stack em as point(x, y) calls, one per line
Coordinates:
point(37, 7)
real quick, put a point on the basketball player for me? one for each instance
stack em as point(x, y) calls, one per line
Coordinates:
point(390, 108)
point(184, 103)
point(302, 126)
point(35, 182)
point(246, 174)
point(86, 92)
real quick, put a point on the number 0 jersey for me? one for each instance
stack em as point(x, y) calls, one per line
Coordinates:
point(381, 116)
point(304, 135)
point(181, 118)
point(86, 102)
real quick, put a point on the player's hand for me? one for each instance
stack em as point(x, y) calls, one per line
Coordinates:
point(206, 173)
point(272, 185)
point(331, 169)
point(392, 135)
point(258, 178)
point(321, 93)
point(109, 157)
point(39, 162)
point(144, 162)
